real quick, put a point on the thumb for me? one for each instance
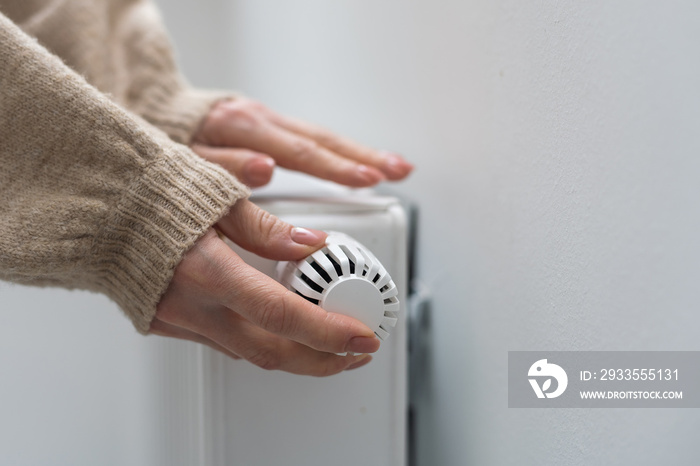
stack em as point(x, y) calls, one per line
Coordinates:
point(260, 232)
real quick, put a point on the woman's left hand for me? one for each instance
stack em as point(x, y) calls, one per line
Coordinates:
point(248, 140)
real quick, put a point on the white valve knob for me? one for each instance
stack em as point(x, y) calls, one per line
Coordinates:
point(345, 277)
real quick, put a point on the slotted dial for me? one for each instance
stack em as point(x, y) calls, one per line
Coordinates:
point(345, 277)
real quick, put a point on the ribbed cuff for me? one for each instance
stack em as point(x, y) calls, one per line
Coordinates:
point(178, 198)
point(179, 112)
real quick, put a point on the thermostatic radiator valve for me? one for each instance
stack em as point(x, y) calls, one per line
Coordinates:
point(345, 277)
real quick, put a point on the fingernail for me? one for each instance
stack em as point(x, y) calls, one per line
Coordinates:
point(307, 237)
point(363, 345)
point(396, 166)
point(258, 171)
point(370, 175)
point(365, 359)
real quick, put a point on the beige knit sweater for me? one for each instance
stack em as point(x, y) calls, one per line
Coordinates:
point(91, 195)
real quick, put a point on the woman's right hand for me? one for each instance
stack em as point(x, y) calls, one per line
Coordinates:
point(218, 300)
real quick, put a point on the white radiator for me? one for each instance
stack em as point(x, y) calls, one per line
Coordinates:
point(80, 383)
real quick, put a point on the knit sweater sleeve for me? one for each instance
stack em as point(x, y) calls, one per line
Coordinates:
point(91, 196)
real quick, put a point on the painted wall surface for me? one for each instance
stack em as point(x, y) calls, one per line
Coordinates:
point(558, 180)
point(558, 183)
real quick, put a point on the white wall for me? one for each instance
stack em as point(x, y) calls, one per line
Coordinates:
point(558, 179)
point(558, 182)
point(200, 30)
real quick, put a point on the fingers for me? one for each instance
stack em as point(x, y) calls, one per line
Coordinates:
point(273, 352)
point(298, 146)
point(241, 339)
point(216, 299)
point(211, 277)
point(268, 305)
point(300, 153)
point(252, 168)
point(392, 165)
point(257, 231)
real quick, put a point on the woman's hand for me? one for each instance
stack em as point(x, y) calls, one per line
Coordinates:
point(248, 140)
point(218, 300)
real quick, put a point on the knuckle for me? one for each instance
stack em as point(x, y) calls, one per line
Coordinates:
point(265, 223)
point(332, 338)
point(276, 232)
point(304, 150)
point(240, 115)
point(274, 314)
point(322, 339)
point(264, 230)
point(327, 139)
